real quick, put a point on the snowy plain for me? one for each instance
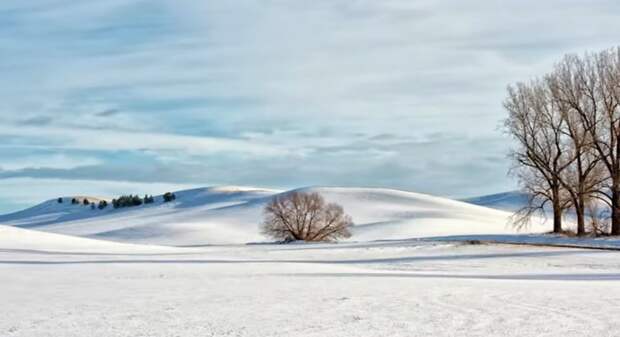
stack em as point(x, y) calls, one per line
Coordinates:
point(403, 288)
point(199, 267)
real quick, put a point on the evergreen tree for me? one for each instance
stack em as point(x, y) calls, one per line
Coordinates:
point(168, 196)
point(136, 201)
point(148, 199)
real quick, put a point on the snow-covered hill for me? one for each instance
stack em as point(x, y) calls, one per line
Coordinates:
point(25, 240)
point(507, 201)
point(220, 215)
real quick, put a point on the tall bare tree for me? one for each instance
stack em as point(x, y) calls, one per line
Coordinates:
point(541, 155)
point(582, 179)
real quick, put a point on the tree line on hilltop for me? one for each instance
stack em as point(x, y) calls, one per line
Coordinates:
point(122, 201)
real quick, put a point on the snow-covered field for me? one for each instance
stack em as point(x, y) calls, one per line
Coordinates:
point(199, 267)
point(395, 288)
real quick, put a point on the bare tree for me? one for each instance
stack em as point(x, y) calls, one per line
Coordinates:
point(599, 221)
point(590, 87)
point(305, 216)
point(541, 195)
point(584, 177)
point(542, 154)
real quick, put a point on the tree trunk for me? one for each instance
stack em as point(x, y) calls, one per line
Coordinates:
point(557, 216)
point(615, 209)
point(581, 223)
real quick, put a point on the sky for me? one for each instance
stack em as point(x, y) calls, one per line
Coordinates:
point(130, 96)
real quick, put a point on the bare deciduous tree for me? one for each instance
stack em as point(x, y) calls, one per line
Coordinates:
point(599, 221)
point(541, 153)
point(542, 194)
point(305, 216)
point(584, 177)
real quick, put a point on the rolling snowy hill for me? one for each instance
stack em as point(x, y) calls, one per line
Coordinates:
point(25, 240)
point(507, 201)
point(223, 215)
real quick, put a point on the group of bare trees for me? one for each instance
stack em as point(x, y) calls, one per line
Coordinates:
point(567, 128)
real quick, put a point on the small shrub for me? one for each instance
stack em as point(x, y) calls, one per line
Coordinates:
point(86, 202)
point(127, 201)
point(60, 200)
point(168, 196)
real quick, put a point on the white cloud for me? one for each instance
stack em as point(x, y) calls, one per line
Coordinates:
point(54, 161)
point(115, 140)
point(247, 88)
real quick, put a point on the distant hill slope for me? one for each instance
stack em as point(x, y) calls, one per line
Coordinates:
point(508, 201)
point(222, 215)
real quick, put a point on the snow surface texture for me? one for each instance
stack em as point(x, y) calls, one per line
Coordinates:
point(396, 288)
point(227, 215)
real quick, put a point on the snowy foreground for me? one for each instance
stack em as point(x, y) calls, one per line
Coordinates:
point(185, 268)
point(60, 287)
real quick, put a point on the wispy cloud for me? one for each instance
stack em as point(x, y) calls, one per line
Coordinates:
point(107, 113)
point(122, 140)
point(50, 161)
point(391, 93)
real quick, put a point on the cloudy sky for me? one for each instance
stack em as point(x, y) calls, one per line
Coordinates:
point(106, 97)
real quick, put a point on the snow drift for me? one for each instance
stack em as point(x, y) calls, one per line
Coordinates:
point(18, 239)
